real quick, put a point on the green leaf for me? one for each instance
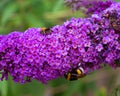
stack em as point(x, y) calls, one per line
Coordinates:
point(73, 87)
point(8, 12)
point(116, 91)
point(101, 92)
point(58, 5)
point(33, 21)
point(3, 88)
point(117, 0)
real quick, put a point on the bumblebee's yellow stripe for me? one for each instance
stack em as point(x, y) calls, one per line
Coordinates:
point(79, 71)
point(43, 28)
point(68, 77)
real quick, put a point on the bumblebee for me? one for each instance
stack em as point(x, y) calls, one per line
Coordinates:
point(75, 74)
point(116, 24)
point(45, 30)
point(106, 15)
point(113, 19)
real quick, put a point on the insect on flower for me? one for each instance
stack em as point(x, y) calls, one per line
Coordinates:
point(106, 15)
point(75, 73)
point(116, 24)
point(113, 19)
point(45, 30)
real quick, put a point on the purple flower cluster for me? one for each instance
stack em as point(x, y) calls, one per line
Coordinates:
point(89, 6)
point(91, 41)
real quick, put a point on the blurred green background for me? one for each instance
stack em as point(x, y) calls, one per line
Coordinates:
point(18, 15)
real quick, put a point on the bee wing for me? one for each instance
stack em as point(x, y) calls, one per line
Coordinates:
point(78, 75)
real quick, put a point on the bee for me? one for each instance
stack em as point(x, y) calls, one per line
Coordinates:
point(113, 19)
point(106, 15)
point(116, 24)
point(45, 30)
point(75, 73)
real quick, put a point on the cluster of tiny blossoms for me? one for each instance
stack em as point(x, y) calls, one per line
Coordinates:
point(91, 41)
point(89, 6)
